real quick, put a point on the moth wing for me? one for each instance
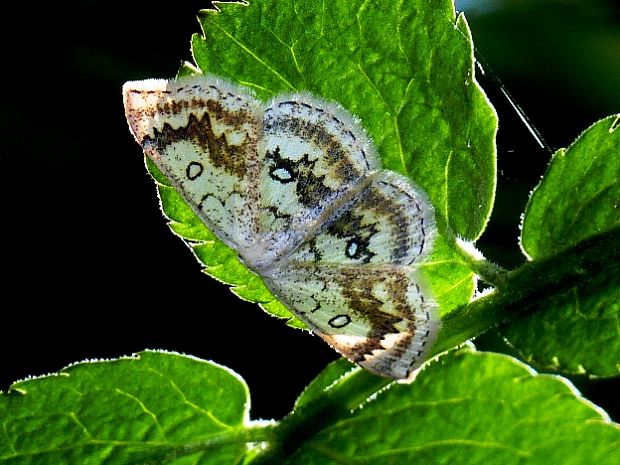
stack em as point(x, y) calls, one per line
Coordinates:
point(203, 135)
point(356, 282)
point(375, 315)
point(295, 188)
point(389, 221)
point(314, 155)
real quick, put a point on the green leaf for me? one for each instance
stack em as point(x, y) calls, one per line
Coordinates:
point(576, 330)
point(148, 408)
point(161, 408)
point(468, 408)
point(334, 372)
point(579, 195)
point(404, 69)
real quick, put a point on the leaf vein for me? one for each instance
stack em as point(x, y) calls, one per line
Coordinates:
point(252, 54)
point(74, 417)
point(452, 442)
point(289, 47)
point(446, 173)
point(456, 284)
point(199, 409)
point(144, 409)
point(8, 438)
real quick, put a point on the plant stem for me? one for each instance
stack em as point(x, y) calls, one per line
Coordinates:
point(254, 433)
point(486, 270)
point(527, 288)
point(473, 258)
point(336, 403)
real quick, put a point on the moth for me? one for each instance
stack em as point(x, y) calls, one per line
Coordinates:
point(294, 186)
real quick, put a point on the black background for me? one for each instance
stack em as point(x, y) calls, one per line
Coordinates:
point(90, 269)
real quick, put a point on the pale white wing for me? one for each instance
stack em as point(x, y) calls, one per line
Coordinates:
point(389, 221)
point(356, 281)
point(296, 189)
point(378, 316)
point(203, 134)
point(314, 157)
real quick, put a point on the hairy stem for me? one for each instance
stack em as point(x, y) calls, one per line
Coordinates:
point(527, 288)
point(486, 270)
point(473, 258)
